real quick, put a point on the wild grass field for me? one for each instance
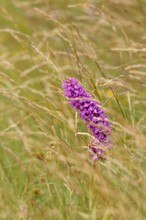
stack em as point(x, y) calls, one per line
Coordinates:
point(45, 169)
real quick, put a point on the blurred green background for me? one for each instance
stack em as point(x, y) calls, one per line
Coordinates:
point(45, 168)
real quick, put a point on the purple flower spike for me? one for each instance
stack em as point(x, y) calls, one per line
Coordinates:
point(92, 113)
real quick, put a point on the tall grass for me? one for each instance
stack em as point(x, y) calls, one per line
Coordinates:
point(45, 168)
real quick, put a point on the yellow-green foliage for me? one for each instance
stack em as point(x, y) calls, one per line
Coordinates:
point(45, 170)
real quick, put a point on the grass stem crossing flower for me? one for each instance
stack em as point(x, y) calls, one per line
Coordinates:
point(92, 113)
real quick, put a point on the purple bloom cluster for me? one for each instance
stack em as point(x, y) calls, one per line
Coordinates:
point(96, 153)
point(93, 114)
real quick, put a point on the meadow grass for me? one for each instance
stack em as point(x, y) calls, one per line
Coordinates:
point(46, 172)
